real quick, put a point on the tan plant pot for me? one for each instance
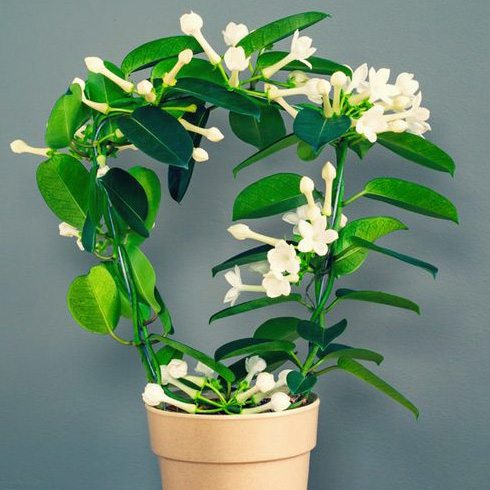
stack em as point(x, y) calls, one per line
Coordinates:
point(234, 452)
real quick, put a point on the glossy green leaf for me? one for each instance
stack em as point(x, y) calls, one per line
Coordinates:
point(167, 353)
point(412, 197)
point(335, 351)
point(359, 145)
point(128, 196)
point(377, 297)
point(299, 384)
point(358, 370)
point(359, 242)
point(306, 153)
point(317, 130)
point(180, 178)
point(100, 89)
point(252, 346)
point(321, 337)
point(217, 367)
point(270, 195)
point(253, 305)
point(218, 95)
point(164, 314)
point(279, 29)
point(256, 254)
point(149, 54)
point(281, 328)
point(281, 144)
point(93, 300)
point(321, 66)
point(350, 257)
point(126, 306)
point(144, 277)
point(67, 115)
point(64, 184)
point(259, 132)
point(418, 150)
point(158, 134)
point(89, 235)
point(150, 182)
point(197, 68)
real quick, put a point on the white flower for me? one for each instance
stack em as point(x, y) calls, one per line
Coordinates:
point(19, 146)
point(316, 88)
point(191, 24)
point(184, 58)
point(417, 117)
point(273, 93)
point(234, 33)
point(200, 155)
point(265, 382)
point(301, 213)
point(282, 378)
point(300, 50)
point(401, 102)
point(153, 395)
point(283, 258)
point(205, 370)
point(406, 84)
point(276, 284)
point(306, 187)
point(358, 81)
point(235, 59)
point(298, 78)
point(96, 106)
point(280, 402)
point(255, 365)
point(68, 230)
point(398, 126)
point(96, 65)
point(338, 80)
point(316, 237)
point(378, 86)
point(371, 123)
point(234, 278)
point(145, 88)
point(328, 174)
point(212, 134)
point(242, 232)
point(177, 368)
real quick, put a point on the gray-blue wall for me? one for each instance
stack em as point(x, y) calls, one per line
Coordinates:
point(70, 409)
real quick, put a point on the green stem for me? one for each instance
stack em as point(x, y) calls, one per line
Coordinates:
point(353, 198)
point(326, 370)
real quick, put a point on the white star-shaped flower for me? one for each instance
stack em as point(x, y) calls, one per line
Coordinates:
point(276, 284)
point(379, 88)
point(234, 33)
point(283, 258)
point(316, 237)
point(371, 123)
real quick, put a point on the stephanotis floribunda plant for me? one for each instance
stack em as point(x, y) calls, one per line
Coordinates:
point(111, 211)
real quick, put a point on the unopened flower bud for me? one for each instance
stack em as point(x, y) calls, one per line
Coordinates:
point(214, 134)
point(306, 185)
point(240, 231)
point(190, 23)
point(298, 78)
point(200, 155)
point(338, 79)
point(19, 146)
point(265, 382)
point(177, 368)
point(185, 56)
point(280, 402)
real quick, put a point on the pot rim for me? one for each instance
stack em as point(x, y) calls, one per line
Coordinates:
point(311, 406)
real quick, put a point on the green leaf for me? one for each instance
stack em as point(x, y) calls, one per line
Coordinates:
point(412, 197)
point(164, 314)
point(150, 182)
point(128, 197)
point(280, 328)
point(418, 150)
point(167, 353)
point(66, 116)
point(100, 89)
point(259, 132)
point(144, 277)
point(306, 153)
point(317, 130)
point(253, 305)
point(377, 297)
point(358, 370)
point(89, 235)
point(255, 254)
point(126, 306)
point(321, 337)
point(218, 95)
point(151, 53)
point(281, 144)
point(299, 384)
point(271, 195)
point(335, 351)
point(94, 302)
point(180, 178)
point(252, 346)
point(64, 184)
point(359, 145)
point(391, 253)
point(279, 29)
point(217, 367)
point(197, 68)
point(319, 65)
point(350, 257)
point(158, 134)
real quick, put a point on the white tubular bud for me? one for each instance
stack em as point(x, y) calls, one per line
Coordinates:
point(269, 71)
point(191, 24)
point(338, 80)
point(298, 78)
point(185, 58)
point(243, 232)
point(274, 94)
point(324, 88)
point(19, 146)
point(96, 65)
point(212, 134)
point(278, 403)
point(200, 155)
point(306, 187)
point(127, 147)
point(96, 106)
point(328, 174)
point(145, 88)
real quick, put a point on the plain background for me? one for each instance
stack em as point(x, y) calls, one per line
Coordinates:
point(70, 411)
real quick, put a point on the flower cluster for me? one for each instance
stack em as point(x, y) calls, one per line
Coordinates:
point(204, 391)
point(288, 260)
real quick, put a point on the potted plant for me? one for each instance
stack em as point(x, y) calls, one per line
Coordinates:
point(250, 422)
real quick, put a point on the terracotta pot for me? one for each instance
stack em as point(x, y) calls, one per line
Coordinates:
point(234, 452)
